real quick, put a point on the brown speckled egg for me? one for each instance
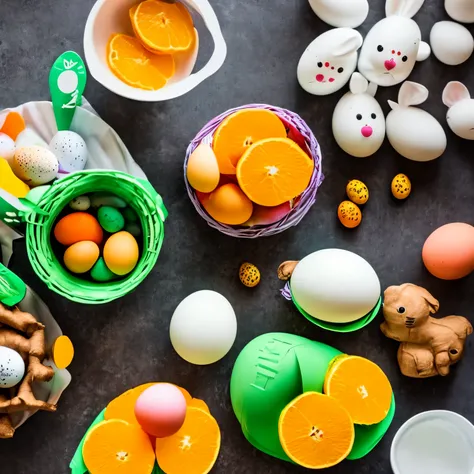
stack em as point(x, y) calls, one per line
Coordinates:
point(249, 275)
point(357, 191)
point(401, 186)
point(349, 214)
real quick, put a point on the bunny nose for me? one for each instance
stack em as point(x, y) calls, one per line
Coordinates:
point(320, 77)
point(367, 131)
point(390, 64)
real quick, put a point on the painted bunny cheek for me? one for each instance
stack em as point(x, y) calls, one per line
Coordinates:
point(390, 64)
point(331, 79)
point(367, 131)
point(320, 78)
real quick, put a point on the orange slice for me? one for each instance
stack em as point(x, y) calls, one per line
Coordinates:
point(241, 130)
point(14, 124)
point(315, 431)
point(137, 67)
point(163, 27)
point(117, 447)
point(274, 171)
point(194, 448)
point(361, 387)
point(63, 352)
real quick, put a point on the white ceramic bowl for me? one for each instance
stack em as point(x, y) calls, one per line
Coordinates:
point(434, 442)
point(112, 16)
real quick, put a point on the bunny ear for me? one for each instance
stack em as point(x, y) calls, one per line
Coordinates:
point(372, 89)
point(412, 93)
point(358, 84)
point(393, 105)
point(454, 92)
point(350, 44)
point(405, 8)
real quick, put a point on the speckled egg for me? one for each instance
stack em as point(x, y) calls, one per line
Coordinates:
point(110, 219)
point(349, 214)
point(35, 165)
point(249, 275)
point(357, 191)
point(80, 203)
point(70, 150)
point(401, 186)
point(12, 367)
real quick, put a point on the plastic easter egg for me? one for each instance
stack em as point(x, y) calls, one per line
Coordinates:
point(129, 214)
point(357, 191)
point(358, 122)
point(329, 61)
point(460, 116)
point(203, 328)
point(70, 150)
point(448, 252)
point(460, 10)
point(101, 273)
point(335, 285)
point(401, 186)
point(349, 214)
point(81, 256)
point(80, 203)
point(452, 43)
point(203, 170)
point(76, 227)
point(110, 219)
point(35, 165)
point(7, 147)
point(121, 253)
point(160, 410)
point(107, 199)
point(12, 367)
point(249, 275)
point(341, 13)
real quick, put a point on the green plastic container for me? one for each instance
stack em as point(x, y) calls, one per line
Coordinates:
point(270, 372)
point(41, 208)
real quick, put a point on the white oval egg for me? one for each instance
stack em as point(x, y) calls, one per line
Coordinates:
point(335, 285)
point(35, 165)
point(7, 147)
point(341, 13)
point(452, 43)
point(203, 327)
point(70, 150)
point(12, 367)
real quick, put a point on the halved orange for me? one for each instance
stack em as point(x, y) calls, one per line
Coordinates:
point(274, 171)
point(14, 124)
point(163, 27)
point(361, 387)
point(315, 431)
point(118, 447)
point(194, 448)
point(239, 131)
point(137, 67)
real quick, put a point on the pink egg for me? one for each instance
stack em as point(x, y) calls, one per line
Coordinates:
point(161, 410)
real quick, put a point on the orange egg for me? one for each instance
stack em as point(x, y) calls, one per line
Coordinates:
point(121, 253)
point(448, 252)
point(203, 171)
point(77, 227)
point(228, 205)
point(81, 256)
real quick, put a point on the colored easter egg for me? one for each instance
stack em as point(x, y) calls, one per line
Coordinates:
point(81, 256)
point(161, 410)
point(63, 352)
point(12, 367)
point(7, 147)
point(70, 150)
point(77, 227)
point(401, 186)
point(107, 199)
point(110, 219)
point(249, 275)
point(121, 253)
point(263, 215)
point(349, 214)
point(101, 273)
point(448, 253)
point(202, 169)
point(357, 191)
point(35, 165)
point(133, 228)
point(80, 203)
point(129, 214)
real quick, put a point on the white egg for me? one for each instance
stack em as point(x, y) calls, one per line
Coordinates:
point(35, 165)
point(80, 203)
point(203, 327)
point(335, 285)
point(7, 147)
point(460, 10)
point(70, 150)
point(12, 367)
point(452, 43)
point(341, 13)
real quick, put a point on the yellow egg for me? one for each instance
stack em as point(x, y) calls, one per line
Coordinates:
point(249, 275)
point(81, 256)
point(349, 214)
point(121, 253)
point(203, 171)
point(401, 186)
point(357, 191)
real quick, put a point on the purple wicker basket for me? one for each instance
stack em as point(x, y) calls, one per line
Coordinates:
point(297, 130)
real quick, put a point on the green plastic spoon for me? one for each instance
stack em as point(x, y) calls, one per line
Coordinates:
point(12, 287)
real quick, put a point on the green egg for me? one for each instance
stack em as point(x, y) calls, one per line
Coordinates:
point(110, 219)
point(133, 229)
point(130, 215)
point(107, 199)
point(100, 272)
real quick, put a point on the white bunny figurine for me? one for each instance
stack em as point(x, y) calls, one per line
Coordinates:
point(358, 123)
point(341, 13)
point(393, 45)
point(460, 115)
point(414, 133)
point(460, 10)
point(329, 61)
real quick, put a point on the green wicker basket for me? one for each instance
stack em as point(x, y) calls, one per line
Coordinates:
point(41, 208)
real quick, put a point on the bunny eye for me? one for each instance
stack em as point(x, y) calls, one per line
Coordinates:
point(320, 64)
point(374, 116)
point(379, 48)
point(340, 70)
point(405, 59)
point(359, 117)
point(401, 310)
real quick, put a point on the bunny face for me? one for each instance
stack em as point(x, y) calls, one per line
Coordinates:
point(329, 61)
point(460, 115)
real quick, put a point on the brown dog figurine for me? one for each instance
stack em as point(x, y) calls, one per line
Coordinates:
point(429, 346)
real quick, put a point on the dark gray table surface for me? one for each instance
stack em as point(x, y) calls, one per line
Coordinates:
point(126, 343)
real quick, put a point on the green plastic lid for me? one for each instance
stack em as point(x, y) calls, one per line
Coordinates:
point(12, 288)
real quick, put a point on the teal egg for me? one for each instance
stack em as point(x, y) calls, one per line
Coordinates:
point(110, 219)
point(100, 272)
point(130, 215)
